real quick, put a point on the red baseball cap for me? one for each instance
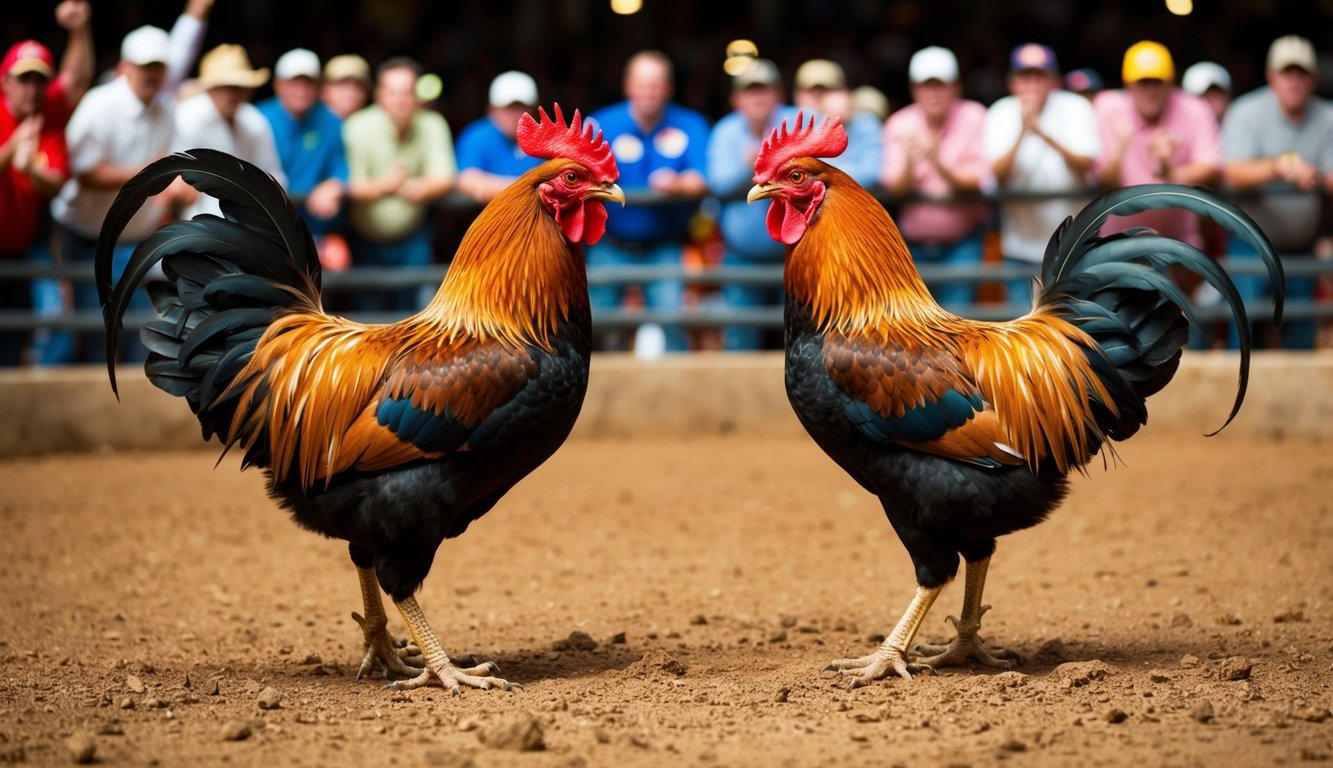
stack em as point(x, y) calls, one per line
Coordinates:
point(28, 56)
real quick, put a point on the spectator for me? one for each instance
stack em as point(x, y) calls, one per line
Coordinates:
point(1038, 139)
point(821, 87)
point(1083, 81)
point(309, 142)
point(1154, 132)
point(33, 165)
point(1211, 82)
point(756, 96)
point(346, 84)
point(488, 155)
point(222, 118)
point(400, 158)
point(117, 129)
point(868, 99)
point(933, 147)
point(24, 216)
point(1281, 136)
point(659, 146)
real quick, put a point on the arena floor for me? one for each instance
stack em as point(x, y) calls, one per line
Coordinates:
point(1175, 612)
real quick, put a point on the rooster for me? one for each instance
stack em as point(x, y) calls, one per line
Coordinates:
point(392, 437)
point(968, 430)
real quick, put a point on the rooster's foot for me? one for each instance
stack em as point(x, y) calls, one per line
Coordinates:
point(877, 666)
point(394, 657)
point(965, 647)
point(453, 678)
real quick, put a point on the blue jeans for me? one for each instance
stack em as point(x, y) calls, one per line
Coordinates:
point(953, 296)
point(414, 251)
point(740, 338)
point(50, 346)
point(77, 249)
point(659, 294)
point(1299, 334)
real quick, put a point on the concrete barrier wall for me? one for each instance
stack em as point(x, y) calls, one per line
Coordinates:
point(73, 409)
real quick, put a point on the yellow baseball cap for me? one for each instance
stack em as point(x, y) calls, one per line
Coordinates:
point(1147, 60)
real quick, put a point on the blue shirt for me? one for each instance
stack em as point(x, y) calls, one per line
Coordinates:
point(483, 146)
point(865, 150)
point(679, 142)
point(310, 150)
point(731, 153)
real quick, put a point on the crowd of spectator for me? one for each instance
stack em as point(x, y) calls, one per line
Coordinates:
point(368, 159)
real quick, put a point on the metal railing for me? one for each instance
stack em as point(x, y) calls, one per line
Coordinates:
point(702, 316)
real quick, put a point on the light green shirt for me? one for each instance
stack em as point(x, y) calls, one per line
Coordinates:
point(373, 149)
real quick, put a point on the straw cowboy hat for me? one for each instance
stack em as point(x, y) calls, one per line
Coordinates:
point(229, 65)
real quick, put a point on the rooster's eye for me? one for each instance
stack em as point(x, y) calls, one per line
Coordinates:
point(571, 178)
point(796, 177)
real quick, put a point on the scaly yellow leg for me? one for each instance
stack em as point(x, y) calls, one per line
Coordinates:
point(438, 667)
point(892, 654)
point(967, 645)
point(381, 650)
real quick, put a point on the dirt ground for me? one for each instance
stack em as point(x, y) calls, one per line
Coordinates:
point(1175, 612)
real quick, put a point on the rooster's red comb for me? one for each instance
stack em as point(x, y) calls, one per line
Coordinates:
point(549, 139)
point(805, 140)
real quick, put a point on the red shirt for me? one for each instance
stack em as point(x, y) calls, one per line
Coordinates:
point(20, 202)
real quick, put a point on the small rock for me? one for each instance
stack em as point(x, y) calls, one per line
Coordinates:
point(1202, 712)
point(1289, 617)
point(235, 730)
point(312, 658)
point(134, 684)
point(1189, 661)
point(113, 728)
point(82, 749)
point(1076, 674)
point(127, 703)
point(781, 696)
point(212, 688)
point(618, 638)
point(269, 698)
point(1229, 620)
point(1181, 620)
point(655, 663)
point(779, 636)
point(1115, 715)
point(1158, 676)
point(699, 620)
point(1235, 668)
point(520, 733)
point(577, 641)
point(1013, 745)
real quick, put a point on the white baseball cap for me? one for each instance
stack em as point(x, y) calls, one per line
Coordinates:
point(513, 87)
point(933, 63)
point(298, 62)
point(146, 45)
point(1204, 75)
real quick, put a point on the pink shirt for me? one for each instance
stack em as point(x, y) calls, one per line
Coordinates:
point(1190, 121)
point(961, 149)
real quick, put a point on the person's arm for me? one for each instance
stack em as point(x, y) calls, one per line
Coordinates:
point(440, 167)
point(1078, 164)
point(187, 39)
point(76, 65)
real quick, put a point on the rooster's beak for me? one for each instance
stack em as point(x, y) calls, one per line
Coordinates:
point(761, 191)
point(608, 191)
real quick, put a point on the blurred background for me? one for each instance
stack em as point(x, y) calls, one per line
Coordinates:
point(576, 48)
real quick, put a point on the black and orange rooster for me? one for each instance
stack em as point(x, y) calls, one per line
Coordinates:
point(967, 430)
point(393, 437)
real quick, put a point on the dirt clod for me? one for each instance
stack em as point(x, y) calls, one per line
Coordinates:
point(1234, 668)
point(269, 698)
point(81, 748)
point(520, 733)
point(577, 641)
point(134, 684)
point(1202, 712)
point(235, 730)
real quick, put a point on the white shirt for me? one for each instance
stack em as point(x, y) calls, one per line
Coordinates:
point(111, 125)
point(249, 137)
point(1026, 226)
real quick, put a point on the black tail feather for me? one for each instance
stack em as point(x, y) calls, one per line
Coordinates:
point(227, 279)
point(1115, 287)
point(259, 235)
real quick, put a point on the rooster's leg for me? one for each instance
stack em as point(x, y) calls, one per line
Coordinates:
point(967, 645)
point(892, 654)
point(438, 666)
point(381, 650)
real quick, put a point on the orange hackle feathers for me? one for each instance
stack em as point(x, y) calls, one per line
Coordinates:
point(855, 275)
point(828, 140)
point(548, 139)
